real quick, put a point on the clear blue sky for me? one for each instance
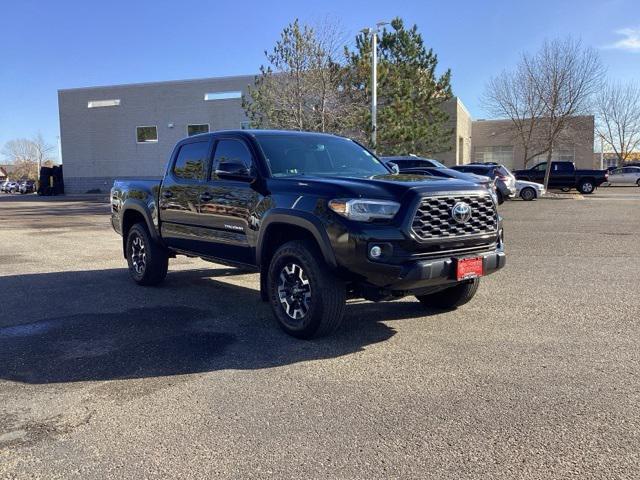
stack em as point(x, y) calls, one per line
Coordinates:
point(46, 45)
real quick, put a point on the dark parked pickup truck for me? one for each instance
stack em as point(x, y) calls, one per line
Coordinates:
point(319, 216)
point(564, 175)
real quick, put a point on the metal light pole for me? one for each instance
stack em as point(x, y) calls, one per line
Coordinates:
point(374, 81)
point(374, 88)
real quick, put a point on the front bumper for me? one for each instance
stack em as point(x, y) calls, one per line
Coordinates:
point(416, 274)
point(430, 273)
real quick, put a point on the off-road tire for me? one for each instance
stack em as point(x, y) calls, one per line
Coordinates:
point(155, 264)
point(451, 297)
point(322, 310)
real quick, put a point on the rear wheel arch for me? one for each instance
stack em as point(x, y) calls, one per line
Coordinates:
point(131, 214)
point(586, 180)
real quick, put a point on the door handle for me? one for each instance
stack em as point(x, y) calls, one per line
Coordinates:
point(206, 197)
point(167, 194)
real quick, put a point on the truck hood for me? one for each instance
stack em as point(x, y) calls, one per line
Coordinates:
point(389, 186)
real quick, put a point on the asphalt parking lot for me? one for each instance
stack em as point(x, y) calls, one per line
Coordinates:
point(538, 377)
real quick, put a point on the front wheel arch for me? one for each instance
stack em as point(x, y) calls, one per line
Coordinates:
point(305, 223)
point(276, 234)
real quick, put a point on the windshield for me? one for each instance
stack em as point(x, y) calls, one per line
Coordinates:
point(291, 155)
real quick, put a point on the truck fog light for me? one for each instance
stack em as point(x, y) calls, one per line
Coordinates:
point(375, 252)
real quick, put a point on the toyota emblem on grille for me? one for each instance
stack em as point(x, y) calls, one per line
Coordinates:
point(461, 212)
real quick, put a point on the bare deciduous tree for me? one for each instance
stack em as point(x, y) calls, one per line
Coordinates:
point(565, 77)
point(542, 94)
point(512, 95)
point(618, 110)
point(27, 154)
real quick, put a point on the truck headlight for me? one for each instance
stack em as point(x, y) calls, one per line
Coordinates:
point(364, 210)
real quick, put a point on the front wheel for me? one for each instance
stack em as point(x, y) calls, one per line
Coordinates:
point(638, 182)
point(307, 299)
point(148, 262)
point(528, 194)
point(451, 297)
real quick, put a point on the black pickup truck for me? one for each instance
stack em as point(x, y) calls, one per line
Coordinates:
point(319, 216)
point(565, 176)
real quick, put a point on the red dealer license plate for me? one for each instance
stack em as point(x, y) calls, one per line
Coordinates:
point(469, 268)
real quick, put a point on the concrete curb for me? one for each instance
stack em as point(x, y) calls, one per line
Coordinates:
point(562, 196)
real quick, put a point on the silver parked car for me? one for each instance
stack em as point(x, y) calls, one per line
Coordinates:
point(10, 186)
point(529, 190)
point(628, 176)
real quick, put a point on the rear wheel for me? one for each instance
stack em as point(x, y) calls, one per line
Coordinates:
point(451, 297)
point(638, 182)
point(148, 262)
point(586, 187)
point(528, 194)
point(307, 299)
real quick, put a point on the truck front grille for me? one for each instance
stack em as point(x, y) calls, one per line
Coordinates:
point(434, 218)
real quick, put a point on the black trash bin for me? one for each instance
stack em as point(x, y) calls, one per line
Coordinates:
point(51, 181)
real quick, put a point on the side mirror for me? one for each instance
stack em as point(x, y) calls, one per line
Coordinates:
point(394, 168)
point(236, 171)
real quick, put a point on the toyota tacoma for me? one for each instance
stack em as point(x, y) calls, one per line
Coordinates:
point(319, 216)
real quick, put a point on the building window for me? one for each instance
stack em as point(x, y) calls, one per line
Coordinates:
point(502, 154)
point(103, 103)
point(197, 128)
point(147, 134)
point(564, 154)
point(222, 95)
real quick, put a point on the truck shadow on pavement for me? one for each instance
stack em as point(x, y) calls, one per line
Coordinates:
point(97, 325)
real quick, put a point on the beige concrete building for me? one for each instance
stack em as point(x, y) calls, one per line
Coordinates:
point(128, 131)
point(494, 141)
point(461, 124)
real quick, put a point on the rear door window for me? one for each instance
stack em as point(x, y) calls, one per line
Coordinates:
point(191, 162)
